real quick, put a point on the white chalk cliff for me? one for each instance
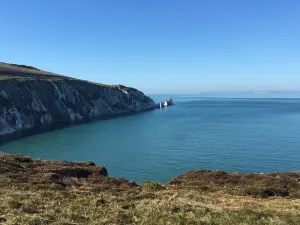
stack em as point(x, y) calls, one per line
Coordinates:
point(34, 101)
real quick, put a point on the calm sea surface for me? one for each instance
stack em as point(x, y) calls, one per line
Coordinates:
point(231, 134)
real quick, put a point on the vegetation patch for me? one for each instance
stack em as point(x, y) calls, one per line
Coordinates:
point(38, 192)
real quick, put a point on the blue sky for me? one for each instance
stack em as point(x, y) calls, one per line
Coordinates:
point(159, 46)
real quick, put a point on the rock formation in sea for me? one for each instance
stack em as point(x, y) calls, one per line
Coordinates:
point(34, 101)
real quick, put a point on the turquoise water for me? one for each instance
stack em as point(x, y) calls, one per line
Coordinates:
point(245, 135)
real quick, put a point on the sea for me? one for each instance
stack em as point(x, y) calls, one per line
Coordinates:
point(254, 133)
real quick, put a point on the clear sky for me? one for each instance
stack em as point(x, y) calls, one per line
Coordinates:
point(159, 46)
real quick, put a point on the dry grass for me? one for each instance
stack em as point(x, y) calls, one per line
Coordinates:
point(102, 200)
point(19, 206)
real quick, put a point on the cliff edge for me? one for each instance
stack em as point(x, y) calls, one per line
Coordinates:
point(34, 101)
point(36, 191)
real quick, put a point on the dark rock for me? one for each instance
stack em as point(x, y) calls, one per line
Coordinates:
point(90, 163)
point(50, 178)
point(275, 192)
point(22, 159)
point(4, 170)
point(30, 209)
point(81, 172)
point(47, 174)
point(103, 171)
point(2, 220)
point(74, 172)
point(101, 201)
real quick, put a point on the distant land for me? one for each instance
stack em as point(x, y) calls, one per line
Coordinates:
point(238, 94)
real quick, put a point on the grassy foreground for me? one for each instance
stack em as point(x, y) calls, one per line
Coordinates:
point(52, 192)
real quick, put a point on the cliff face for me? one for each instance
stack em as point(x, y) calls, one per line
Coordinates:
point(33, 101)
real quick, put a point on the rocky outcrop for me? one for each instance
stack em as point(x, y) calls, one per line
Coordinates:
point(22, 169)
point(256, 185)
point(87, 175)
point(34, 101)
point(36, 191)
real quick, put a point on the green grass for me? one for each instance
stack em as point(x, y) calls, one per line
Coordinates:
point(7, 72)
point(21, 73)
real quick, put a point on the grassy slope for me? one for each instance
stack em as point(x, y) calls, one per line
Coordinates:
point(23, 72)
point(50, 192)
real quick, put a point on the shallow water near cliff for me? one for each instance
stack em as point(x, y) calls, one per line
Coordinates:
point(230, 134)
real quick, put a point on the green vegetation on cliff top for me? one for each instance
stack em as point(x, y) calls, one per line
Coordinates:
point(14, 70)
point(23, 72)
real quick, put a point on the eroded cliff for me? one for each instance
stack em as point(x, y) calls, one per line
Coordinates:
point(33, 101)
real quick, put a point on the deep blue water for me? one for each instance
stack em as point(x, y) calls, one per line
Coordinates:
point(231, 134)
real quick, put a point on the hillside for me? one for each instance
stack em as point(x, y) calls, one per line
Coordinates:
point(34, 101)
point(54, 192)
point(8, 71)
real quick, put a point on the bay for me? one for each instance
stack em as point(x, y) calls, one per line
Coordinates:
point(242, 134)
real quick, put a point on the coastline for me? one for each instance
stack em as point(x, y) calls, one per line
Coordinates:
point(35, 101)
point(43, 128)
point(283, 184)
point(34, 191)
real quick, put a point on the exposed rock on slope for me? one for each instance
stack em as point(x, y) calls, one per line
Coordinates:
point(261, 185)
point(33, 101)
point(65, 174)
point(22, 169)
